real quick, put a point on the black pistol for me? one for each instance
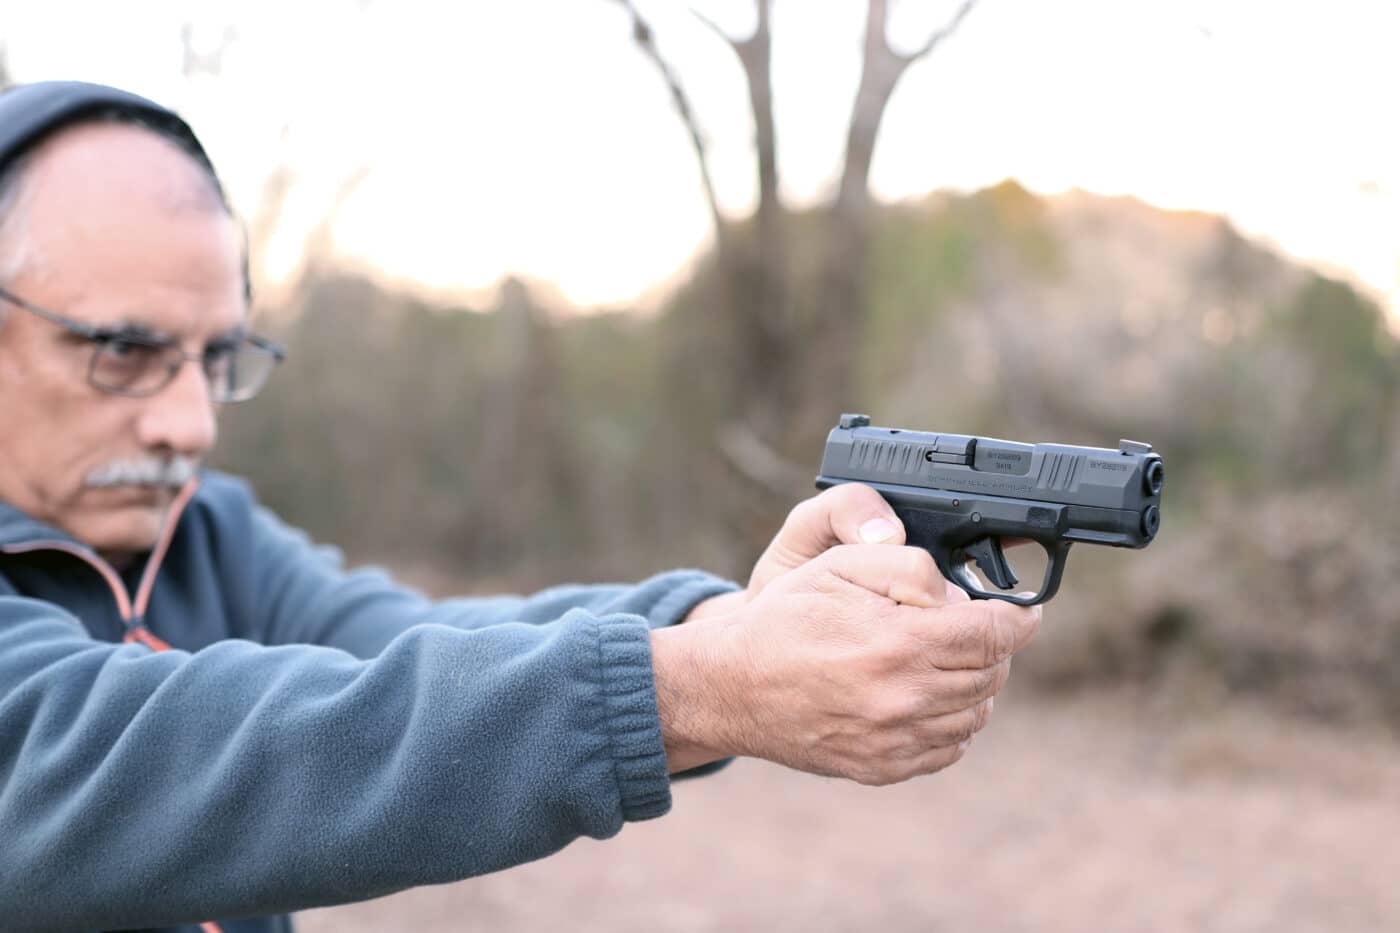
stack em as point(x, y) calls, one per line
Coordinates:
point(960, 496)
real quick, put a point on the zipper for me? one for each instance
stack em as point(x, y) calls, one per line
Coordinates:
point(132, 613)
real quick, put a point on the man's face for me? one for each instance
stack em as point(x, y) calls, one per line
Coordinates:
point(121, 230)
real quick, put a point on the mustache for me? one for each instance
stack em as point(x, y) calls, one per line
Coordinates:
point(146, 471)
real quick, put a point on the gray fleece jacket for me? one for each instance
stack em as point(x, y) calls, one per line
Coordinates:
point(237, 728)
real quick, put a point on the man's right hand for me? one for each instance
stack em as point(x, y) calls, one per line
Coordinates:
point(861, 663)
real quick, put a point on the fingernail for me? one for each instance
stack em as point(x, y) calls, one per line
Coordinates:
point(877, 530)
point(953, 590)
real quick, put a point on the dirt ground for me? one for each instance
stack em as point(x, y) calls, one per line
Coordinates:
point(1104, 812)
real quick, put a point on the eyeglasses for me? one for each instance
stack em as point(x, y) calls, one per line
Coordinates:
point(126, 362)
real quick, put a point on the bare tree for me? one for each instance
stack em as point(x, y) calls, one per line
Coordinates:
point(752, 296)
point(316, 253)
point(841, 312)
point(790, 347)
point(881, 71)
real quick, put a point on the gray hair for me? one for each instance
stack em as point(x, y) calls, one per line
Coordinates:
point(16, 247)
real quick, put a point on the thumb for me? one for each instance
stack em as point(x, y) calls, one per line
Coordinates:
point(848, 513)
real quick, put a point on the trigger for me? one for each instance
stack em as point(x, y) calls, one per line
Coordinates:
point(992, 561)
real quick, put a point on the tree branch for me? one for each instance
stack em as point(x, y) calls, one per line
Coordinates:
point(880, 72)
point(758, 462)
point(939, 35)
point(755, 56)
point(643, 35)
point(210, 62)
point(714, 27)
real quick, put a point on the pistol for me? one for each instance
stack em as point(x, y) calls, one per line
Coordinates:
point(961, 496)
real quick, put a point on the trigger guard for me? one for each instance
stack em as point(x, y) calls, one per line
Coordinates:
point(961, 574)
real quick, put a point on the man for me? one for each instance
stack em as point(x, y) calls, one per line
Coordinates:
point(202, 716)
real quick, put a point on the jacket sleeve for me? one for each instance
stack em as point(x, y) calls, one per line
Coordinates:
point(141, 789)
point(306, 597)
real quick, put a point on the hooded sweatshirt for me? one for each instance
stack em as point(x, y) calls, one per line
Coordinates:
point(235, 727)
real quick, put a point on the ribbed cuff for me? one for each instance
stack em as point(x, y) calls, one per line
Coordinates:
point(687, 589)
point(634, 727)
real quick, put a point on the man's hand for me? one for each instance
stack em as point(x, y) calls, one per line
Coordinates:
point(861, 662)
point(846, 514)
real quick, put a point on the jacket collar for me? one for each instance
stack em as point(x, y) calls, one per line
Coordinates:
point(18, 528)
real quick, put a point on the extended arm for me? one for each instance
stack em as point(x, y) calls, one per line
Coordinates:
point(306, 597)
point(142, 789)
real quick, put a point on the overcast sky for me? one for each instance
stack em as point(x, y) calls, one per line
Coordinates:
point(531, 137)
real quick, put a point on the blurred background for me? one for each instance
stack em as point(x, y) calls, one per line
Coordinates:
point(574, 291)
